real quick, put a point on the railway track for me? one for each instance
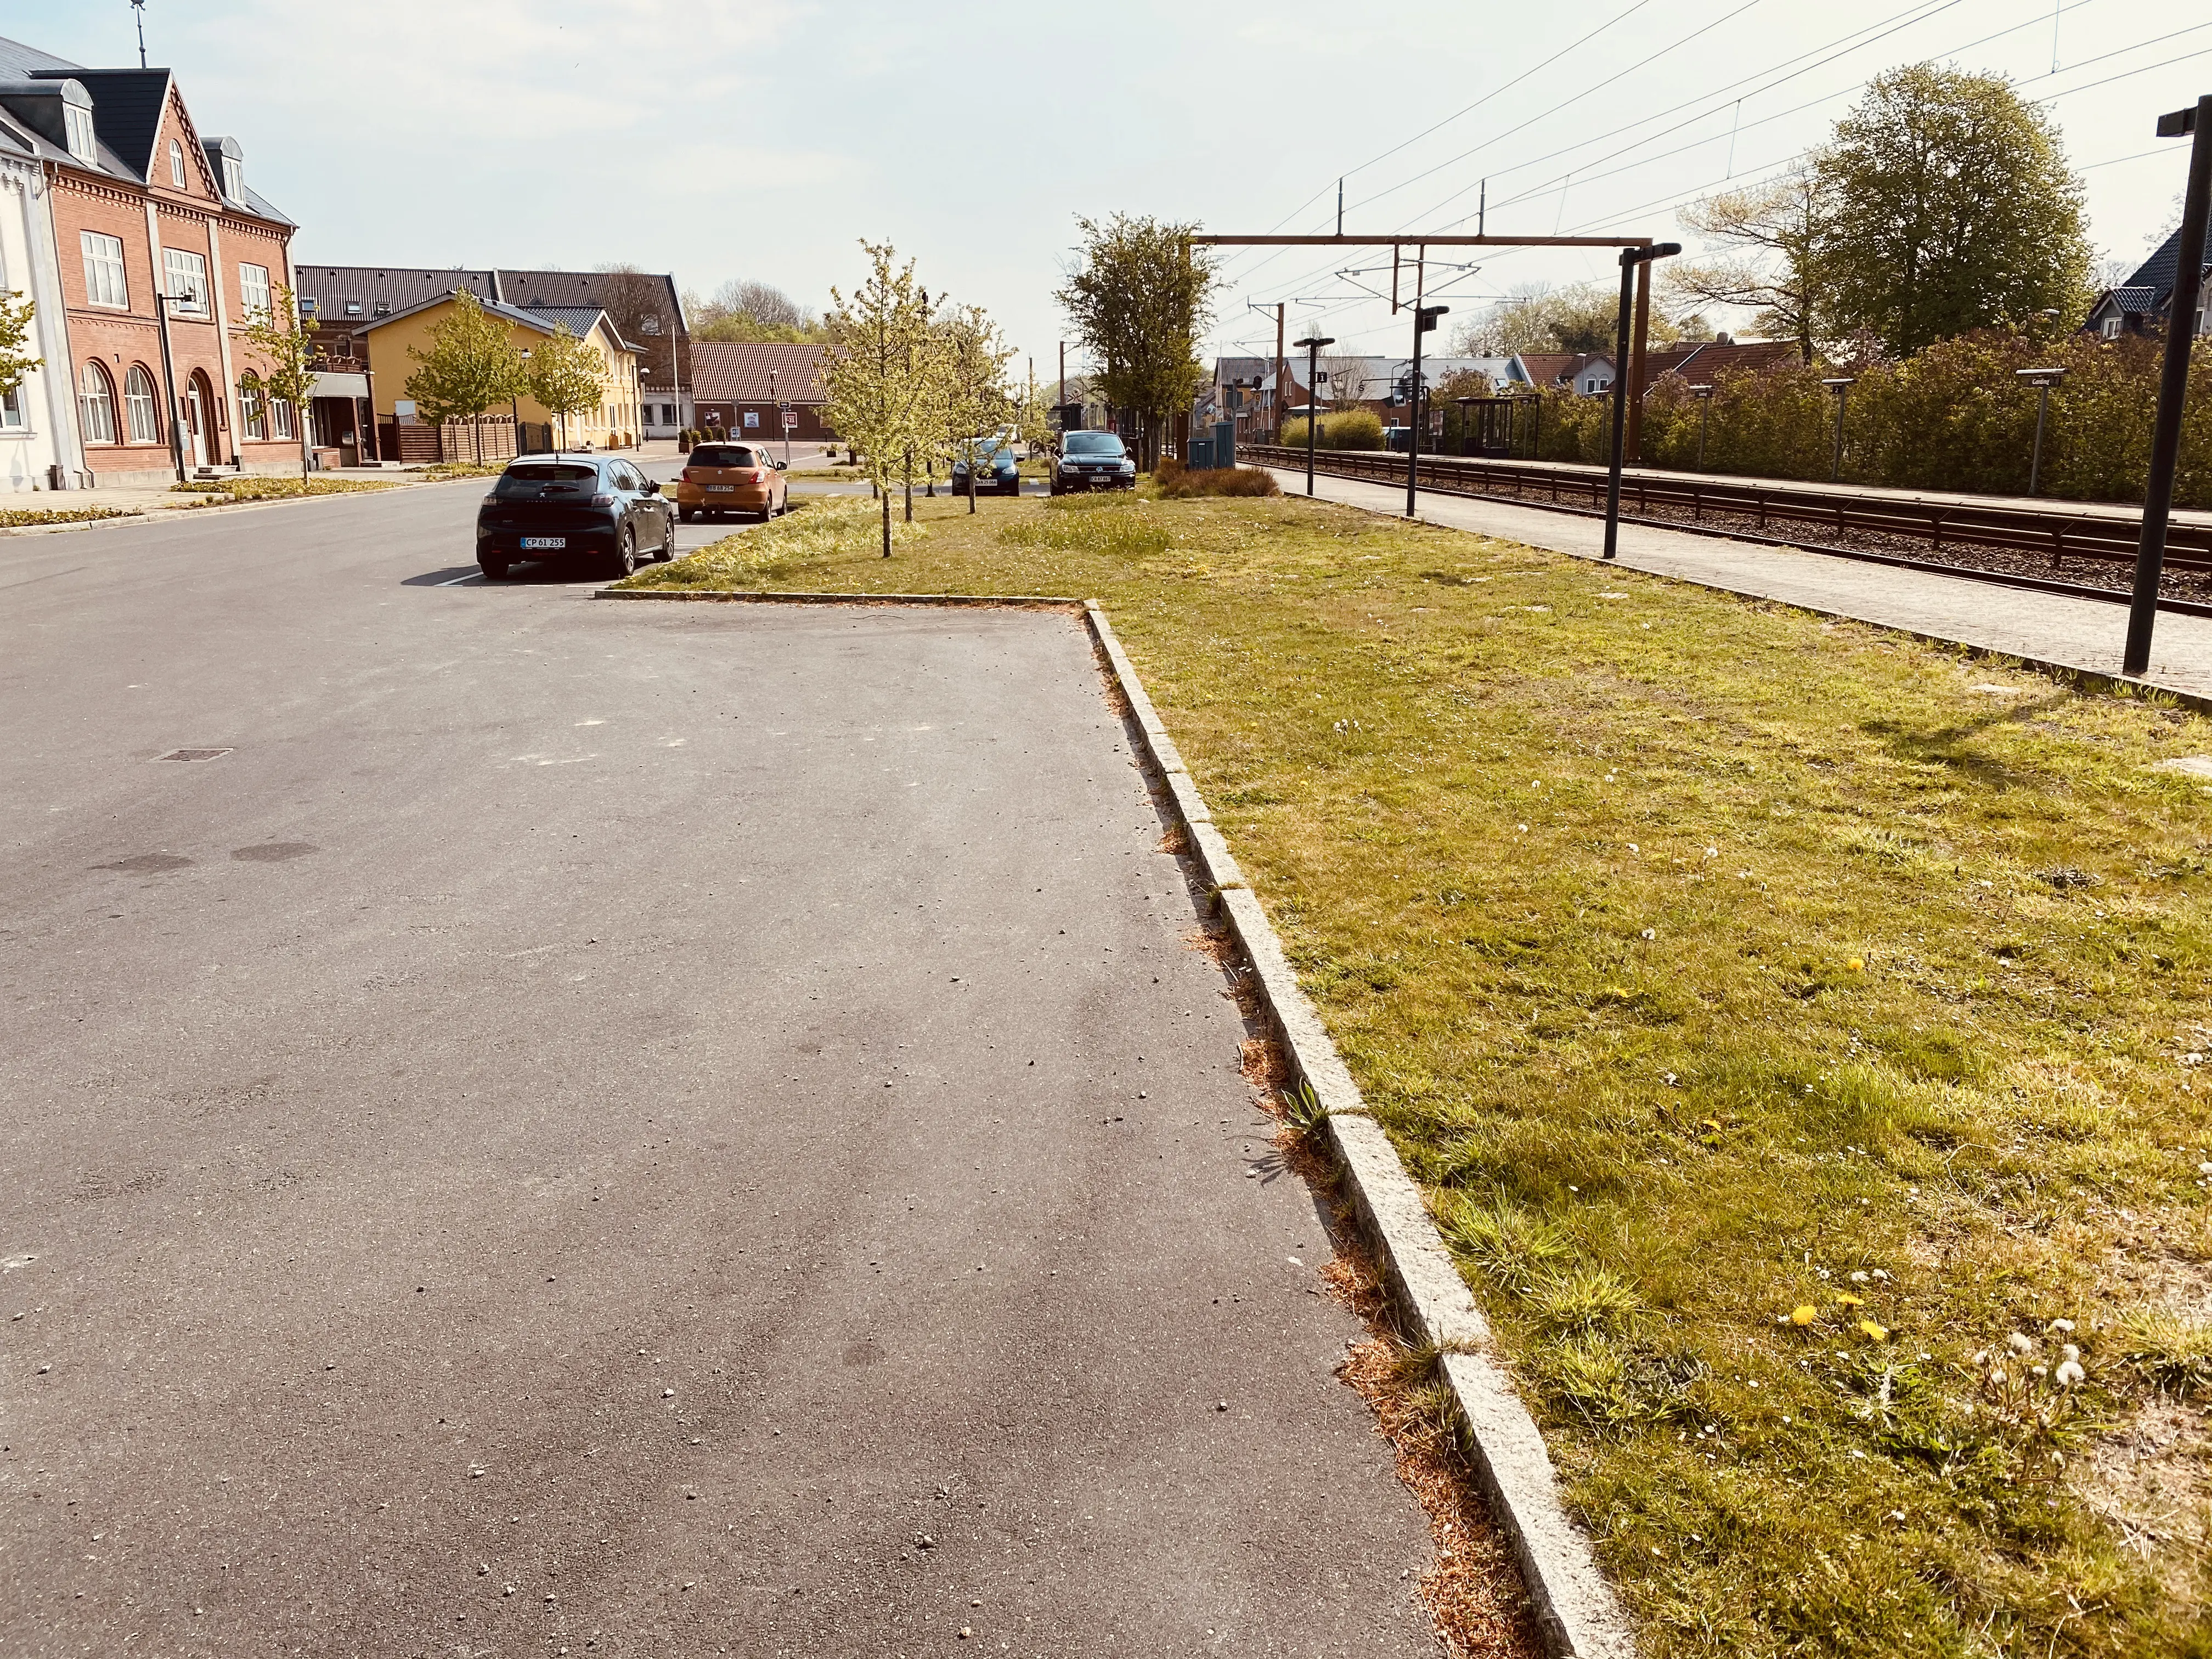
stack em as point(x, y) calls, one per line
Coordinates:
point(2089, 537)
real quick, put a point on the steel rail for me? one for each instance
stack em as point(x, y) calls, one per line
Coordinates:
point(2095, 536)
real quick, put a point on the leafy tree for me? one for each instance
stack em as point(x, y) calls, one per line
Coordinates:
point(1947, 205)
point(1769, 238)
point(567, 375)
point(16, 313)
point(972, 400)
point(1538, 317)
point(472, 364)
point(284, 342)
point(1139, 301)
point(878, 375)
point(742, 312)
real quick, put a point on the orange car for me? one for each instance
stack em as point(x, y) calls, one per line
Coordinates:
point(719, 479)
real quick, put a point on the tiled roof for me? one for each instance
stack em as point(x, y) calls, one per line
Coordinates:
point(2157, 273)
point(1701, 360)
point(2129, 302)
point(582, 287)
point(1558, 367)
point(396, 288)
point(728, 373)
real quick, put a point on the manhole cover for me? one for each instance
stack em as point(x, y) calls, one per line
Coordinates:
point(193, 753)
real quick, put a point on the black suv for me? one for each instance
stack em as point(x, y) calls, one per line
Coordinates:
point(553, 507)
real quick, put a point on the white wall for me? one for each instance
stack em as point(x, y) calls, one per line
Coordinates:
point(49, 433)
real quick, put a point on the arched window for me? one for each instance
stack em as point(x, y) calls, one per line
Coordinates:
point(141, 411)
point(176, 164)
point(252, 408)
point(95, 404)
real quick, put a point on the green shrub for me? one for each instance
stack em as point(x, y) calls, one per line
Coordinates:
point(1176, 482)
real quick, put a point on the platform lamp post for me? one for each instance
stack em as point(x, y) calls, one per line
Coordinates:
point(1704, 394)
point(1841, 385)
point(2181, 326)
point(1631, 258)
point(1313, 344)
point(2042, 380)
point(1424, 320)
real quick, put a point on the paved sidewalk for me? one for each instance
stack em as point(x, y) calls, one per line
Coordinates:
point(2078, 633)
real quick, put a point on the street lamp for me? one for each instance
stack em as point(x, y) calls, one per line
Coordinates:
point(1424, 320)
point(1313, 344)
point(2173, 380)
point(1704, 394)
point(1630, 257)
point(2042, 380)
point(1841, 385)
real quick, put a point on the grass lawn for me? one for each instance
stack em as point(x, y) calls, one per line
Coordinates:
point(12, 517)
point(256, 487)
point(1800, 1033)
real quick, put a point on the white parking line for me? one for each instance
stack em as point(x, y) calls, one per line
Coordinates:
point(473, 576)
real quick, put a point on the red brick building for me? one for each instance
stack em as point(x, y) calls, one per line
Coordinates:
point(736, 388)
point(143, 205)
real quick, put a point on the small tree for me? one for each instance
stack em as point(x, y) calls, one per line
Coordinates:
point(473, 363)
point(1033, 414)
point(16, 313)
point(877, 374)
point(972, 401)
point(1140, 302)
point(1768, 242)
point(284, 341)
point(567, 376)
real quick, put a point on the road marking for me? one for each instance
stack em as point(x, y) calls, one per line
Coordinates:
point(473, 576)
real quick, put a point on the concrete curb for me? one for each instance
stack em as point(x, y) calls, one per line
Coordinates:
point(2075, 675)
point(1576, 1610)
point(1019, 601)
point(1578, 1614)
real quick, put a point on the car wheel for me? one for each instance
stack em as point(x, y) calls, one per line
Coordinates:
point(625, 560)
point(494, 570)
point(667, 541)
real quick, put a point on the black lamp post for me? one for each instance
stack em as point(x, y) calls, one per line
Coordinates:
point(2173, 379)
point(1424, 320)
point(2042, 380)
point(1841, 385)
point(1313, 344)
point(1630, 257)
point(1704, 397)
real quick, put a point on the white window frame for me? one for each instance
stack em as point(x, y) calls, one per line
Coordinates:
point(96, 407)
point(280, 418)
point(188, 280)
point(107, 278)
point(12, 418)
point(253, 290)
point(234, 177)
point(2111, 327)
point(254, 408)
point(176, 163)
point(141, 411)
point(76, 127)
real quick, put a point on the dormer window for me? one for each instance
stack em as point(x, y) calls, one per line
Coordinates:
point(76, 127)
point(649, 325)
point(353, 307)
point(384, 307)
point(234, 177)
point(176, 164)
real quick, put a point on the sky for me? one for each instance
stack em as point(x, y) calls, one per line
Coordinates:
point(766, 140)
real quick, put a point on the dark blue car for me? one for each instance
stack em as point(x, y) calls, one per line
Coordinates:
point(997, 471)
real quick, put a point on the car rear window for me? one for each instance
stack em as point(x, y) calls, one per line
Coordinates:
point(723, 455)
point(543, 478)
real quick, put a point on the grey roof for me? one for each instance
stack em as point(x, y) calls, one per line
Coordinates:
point(2157, 273)
point(2133, 302)
point(579, 319)
point(397, 290)
point(126, 117)
point(580, 287)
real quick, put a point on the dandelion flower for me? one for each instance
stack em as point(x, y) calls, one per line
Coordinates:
point(1847, 1299)
point(1804, 1314)
point(2069, 1351)
point(2069, 1375)
point(2060, 1327)
point(1859, 1278)
point(1874, 1332)
point(1855, 964)
point(1652, 933)
point(2020, 1344)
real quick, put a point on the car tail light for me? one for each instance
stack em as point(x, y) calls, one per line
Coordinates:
point(758, 475)
point(605, 498)
point(688, 478)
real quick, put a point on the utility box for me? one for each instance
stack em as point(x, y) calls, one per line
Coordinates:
point(1201, 455)
point(1224, 443)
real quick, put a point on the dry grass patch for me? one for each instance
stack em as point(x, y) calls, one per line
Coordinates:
point(1777, 1018)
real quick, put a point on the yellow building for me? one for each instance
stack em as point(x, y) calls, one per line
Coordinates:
point(392, 341)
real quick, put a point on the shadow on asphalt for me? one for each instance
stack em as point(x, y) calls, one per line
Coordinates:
point(541, 573)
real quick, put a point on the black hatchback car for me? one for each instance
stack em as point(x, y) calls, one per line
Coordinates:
point(547, 506)
point(1093, 461)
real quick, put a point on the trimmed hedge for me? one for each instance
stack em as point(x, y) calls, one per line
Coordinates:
point(1353, 428)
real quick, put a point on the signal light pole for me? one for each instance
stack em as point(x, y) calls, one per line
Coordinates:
point(1313, 344)
point(1632, 259)
point(1424, 320)
point(2173, 380)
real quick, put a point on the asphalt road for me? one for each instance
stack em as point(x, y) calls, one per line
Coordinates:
point(625, 1129)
